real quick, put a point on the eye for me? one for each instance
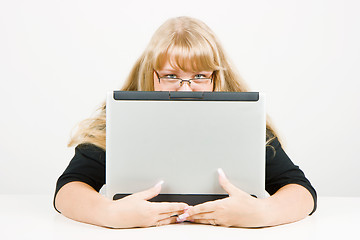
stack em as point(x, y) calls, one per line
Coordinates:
point(199, 76)
point(171, 76)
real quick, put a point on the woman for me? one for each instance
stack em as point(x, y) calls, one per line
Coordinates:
point(183, 55)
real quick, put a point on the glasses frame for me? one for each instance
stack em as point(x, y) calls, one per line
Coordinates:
point(185, 80)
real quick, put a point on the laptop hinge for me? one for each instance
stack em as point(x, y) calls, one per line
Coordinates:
point(186, 95)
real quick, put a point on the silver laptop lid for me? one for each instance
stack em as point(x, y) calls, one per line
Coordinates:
point(183, 138)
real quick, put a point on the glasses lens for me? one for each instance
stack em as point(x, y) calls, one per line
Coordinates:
point(170, 84)
point(195, 84)
point(199, 84)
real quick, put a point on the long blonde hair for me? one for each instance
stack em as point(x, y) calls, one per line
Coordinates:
point(189, 45)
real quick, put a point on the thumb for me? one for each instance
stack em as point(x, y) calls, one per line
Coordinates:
point(226, 184)
point(149, 193)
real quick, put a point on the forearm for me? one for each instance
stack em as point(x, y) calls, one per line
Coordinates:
point(80, 202)
point(291, 203)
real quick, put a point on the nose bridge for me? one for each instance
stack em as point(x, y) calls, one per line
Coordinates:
point(185, 86)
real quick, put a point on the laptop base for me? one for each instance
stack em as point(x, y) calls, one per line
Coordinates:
point(190, 199)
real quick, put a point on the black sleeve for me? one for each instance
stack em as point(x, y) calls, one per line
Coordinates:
point(87, 165)
point(280, 171)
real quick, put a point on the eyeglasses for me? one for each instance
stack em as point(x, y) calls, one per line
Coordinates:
point(174, 83)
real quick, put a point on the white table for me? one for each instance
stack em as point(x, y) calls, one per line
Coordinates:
point(33, 217)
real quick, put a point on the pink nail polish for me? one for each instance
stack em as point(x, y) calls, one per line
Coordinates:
point(159, 183)
point(182, 217)
point(221, 172)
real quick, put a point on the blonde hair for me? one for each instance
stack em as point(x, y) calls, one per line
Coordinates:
point(189, 45)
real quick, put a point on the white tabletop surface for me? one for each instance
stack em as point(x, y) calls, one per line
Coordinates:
point(33, 217)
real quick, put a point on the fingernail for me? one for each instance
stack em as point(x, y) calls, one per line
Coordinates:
point(182, 217)
point(178, 220)
point(188, 208)
point(221, 172)
point(159, 183)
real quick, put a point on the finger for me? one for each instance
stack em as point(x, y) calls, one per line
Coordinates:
point(162, 207)
point(176, 213)
point(204, 221)
point(149, 193)
point(203, 208)
point(208, 215)
point(165, 221)
point(226, 184)
point(207, 207)
point(170, 215)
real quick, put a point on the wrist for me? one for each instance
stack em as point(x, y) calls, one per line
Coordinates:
point(118, 214)
point(259, 214)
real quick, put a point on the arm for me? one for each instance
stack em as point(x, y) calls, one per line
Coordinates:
point(77, 196)
point(80, 202)
point(290, 203)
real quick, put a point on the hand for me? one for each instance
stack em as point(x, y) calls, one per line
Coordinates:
point(135, 211)
point(239, 209)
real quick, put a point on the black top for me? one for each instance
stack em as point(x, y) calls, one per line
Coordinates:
point(88, 166)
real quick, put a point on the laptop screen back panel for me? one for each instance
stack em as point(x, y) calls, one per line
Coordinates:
point(184, 143)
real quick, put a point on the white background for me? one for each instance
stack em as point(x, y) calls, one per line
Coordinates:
point(58, 59)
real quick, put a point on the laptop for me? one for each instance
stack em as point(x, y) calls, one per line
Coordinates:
point(182, 138)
